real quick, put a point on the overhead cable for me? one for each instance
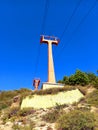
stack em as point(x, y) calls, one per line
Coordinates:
point(69, 21)
point(42, 32)
point(73, 33)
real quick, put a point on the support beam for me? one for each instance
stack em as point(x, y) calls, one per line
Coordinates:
point(50, 40)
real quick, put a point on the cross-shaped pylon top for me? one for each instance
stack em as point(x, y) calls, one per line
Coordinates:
point(48, 39)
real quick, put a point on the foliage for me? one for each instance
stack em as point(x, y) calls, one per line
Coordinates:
point(52, 116)
point(91, 77)
point(95, 83)
point(6, 115)
point(65, 80)
point(53, 90)
point(76, 120)
point(26, 111)
point(6, 97)
point(92, 98)
point(10, 113)
point(13, 112)
point(61, 81)
point(96, 120)
point(30, 126)
point(4, 105)
point(80, 78)
point(60, 107)
point(72, 80)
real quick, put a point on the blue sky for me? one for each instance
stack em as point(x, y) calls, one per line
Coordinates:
point(21, 24)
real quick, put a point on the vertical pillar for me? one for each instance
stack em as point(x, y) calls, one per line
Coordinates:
point(50, 40)
point(51, 73)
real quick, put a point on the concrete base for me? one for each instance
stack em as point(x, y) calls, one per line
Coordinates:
point(47, 85)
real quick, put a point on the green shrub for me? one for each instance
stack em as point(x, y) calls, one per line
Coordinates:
point(76, 120)
point(95, 83)
point(79, 78)
point(91, 77)
point(60, 81)
point(66, 80)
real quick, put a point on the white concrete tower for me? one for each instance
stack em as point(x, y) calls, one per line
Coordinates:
point(50, 40)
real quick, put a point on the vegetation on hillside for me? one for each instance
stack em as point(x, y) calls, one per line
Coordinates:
point(6, 97)
point(92, 98)
point(80, 78)
point(76, 120)
point(54, 90)
point(71, 82)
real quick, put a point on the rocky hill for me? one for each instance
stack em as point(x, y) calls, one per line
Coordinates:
point(81, 115)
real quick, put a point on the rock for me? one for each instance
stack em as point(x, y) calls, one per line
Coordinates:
point(90, 90)
point(15, 105)
point(1, 121)
point(68, 109)
point(94, 109)
point(83, 105)
point(41, 123)
point(7, 126)
point(8, 123)
point(1, 127)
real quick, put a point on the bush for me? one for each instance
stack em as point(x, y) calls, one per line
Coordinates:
point(66, 80)
point(26, 111)
point(60, 81)
point(72, 80)
point(29, 126)
point(92, 98)
point(76, 120)
point(91, 77)
point(3, 105)
point(95, 83)
point(5, 117)
point(79, 78)
point(6, 97)
point(13, 112)
point(52, 116)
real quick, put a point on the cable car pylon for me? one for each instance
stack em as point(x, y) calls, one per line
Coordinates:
point(51, 82)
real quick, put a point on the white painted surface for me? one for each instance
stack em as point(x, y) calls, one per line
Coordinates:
point(47, 101)
point(51, 85)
